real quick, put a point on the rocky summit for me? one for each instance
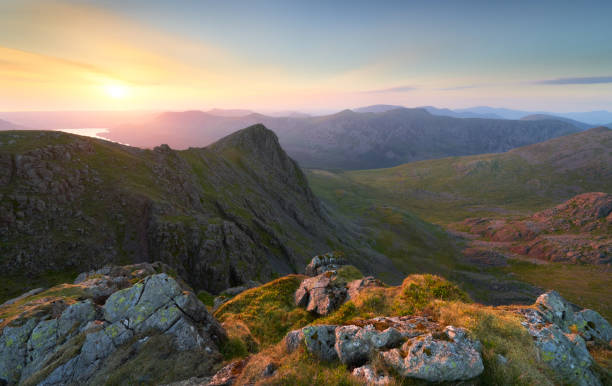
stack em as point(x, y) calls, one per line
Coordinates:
point(143, 324)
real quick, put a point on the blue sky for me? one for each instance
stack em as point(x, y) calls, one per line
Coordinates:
point(554, 55)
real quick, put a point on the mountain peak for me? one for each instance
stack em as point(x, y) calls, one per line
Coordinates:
point(257, 141)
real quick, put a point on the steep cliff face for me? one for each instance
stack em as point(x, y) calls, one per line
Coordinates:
point(240, 209)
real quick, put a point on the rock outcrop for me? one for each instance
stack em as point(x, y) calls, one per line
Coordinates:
point(330, 261)
point(321, 294)
point(414, 347)
point(119, 313)
point(560, 332)
point(577, 231)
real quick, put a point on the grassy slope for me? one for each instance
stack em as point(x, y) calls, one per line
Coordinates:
point(519, 181)
point(451, 189)
point(412, 244)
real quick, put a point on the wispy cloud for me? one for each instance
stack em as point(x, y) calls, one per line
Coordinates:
point(580, 80)
point(390, 90)
point(456, 88)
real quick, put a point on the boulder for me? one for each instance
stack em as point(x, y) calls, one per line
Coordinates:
point(86, 335)
point(448, 356)
point(352, 348)
point(320, 341)
point(564, 352)
point(320, 294)
point(330, 261)
point(554, 309)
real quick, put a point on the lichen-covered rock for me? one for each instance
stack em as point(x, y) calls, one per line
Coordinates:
point(564, 352)
point(61, 343)
point(320, 294)
point(588, 323)
point(320, 340)
point(330, 261)
point(450, 357)
point(412, 346)
point(352, 347)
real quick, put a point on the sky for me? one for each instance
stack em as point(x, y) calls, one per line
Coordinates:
point(304, 55)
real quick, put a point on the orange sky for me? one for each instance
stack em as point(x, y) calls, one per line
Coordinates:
point(69, 55)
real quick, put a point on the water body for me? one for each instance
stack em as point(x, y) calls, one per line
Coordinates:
point(91, 132)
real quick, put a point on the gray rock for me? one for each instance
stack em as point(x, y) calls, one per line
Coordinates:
point(320, 340)
point(592, 326)
point(565, 353)
point(330, 261)
point(352, 348)
point(13, 346)
point(155, 305)
point(292, 340)
point(320, 294)
point(437, 360)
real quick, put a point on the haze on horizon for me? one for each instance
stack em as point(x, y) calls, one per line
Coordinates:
point(278, 55)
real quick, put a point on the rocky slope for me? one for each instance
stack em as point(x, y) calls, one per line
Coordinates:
point(577, 231)
point(141, 324)
point(352, 140)
point(239, 209)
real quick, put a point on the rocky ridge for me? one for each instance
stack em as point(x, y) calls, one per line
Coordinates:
point(113, 318)
point(238, 210)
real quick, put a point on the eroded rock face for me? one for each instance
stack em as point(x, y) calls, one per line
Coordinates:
point(414, 347)
point(330, 261)
point(321, 294)
point(85, 335)
point(560, 333)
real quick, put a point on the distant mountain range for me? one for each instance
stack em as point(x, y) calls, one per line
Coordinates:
point(351, 140)
point(586, 119)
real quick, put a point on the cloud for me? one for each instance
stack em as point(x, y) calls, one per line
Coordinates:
point(456, 88)
point(582, 80)
point(390, 90)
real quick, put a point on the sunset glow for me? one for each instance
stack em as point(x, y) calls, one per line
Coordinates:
point(58, 54)
point(116, 91)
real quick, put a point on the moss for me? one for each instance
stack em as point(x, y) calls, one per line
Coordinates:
point(233, 348)
point(348, 273)
point(206, 297)
point(269, 311)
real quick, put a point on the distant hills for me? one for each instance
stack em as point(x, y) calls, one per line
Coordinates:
point(351, 140)
point(6, 125)
point(521, 180)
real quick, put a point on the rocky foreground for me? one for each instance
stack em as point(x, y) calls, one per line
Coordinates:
point(142, 324)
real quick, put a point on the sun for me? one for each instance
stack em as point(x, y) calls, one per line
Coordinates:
point(116, 91)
